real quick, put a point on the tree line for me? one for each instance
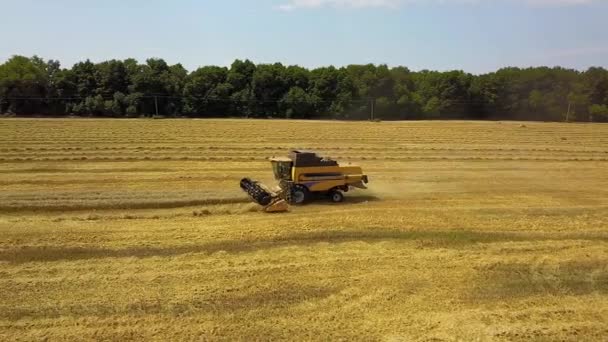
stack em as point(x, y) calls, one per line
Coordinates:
point(127, 88)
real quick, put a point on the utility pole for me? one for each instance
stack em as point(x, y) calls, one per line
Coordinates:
point(156, 104)
point(372, 103)
point(568, 113)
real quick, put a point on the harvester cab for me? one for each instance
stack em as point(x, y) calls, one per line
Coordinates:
point(281, 167)
point(303, 176)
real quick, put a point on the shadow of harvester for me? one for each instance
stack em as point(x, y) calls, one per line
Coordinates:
point(348, 200)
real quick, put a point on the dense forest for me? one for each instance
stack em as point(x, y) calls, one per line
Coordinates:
point(115, 88)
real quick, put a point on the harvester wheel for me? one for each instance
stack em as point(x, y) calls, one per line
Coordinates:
point(299, 195)
point(336, 196)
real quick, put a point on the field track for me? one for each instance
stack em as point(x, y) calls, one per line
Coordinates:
point(136, 229)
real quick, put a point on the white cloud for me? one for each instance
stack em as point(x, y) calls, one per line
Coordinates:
point(311, 4)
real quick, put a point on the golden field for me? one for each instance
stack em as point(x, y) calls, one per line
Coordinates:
point(137, 230)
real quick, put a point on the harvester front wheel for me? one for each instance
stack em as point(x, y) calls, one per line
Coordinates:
point(299, 195)
point(336, 196)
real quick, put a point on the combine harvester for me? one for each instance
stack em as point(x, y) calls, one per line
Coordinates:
point(303, 176)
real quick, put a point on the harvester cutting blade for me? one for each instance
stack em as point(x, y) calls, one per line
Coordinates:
point(280, 205)
point(260, 194)
point(256, 192)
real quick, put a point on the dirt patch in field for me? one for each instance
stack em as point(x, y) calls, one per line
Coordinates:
point(230, 300)
point(423, 239)
point(279, 296)
point(50, 206)
point(504, 281)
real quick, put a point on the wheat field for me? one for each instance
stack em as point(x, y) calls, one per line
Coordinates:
point(137, 230)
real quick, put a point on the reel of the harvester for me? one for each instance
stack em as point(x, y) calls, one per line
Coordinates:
point(260, 194)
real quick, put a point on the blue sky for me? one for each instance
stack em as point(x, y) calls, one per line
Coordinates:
point(473, 35)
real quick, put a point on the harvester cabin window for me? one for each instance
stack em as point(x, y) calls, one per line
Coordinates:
point(282, 170)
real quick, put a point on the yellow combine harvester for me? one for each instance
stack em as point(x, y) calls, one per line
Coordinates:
point(303, 176)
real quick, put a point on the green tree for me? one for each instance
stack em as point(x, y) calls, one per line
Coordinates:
point(268, 86)
point(298, 104)
point(206, 92)
point(432, 109)
point(599, 113)
point(20, 78)
point(128, 88)
point(535, 99)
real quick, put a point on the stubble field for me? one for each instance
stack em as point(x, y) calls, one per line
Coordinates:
point(137, 229)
